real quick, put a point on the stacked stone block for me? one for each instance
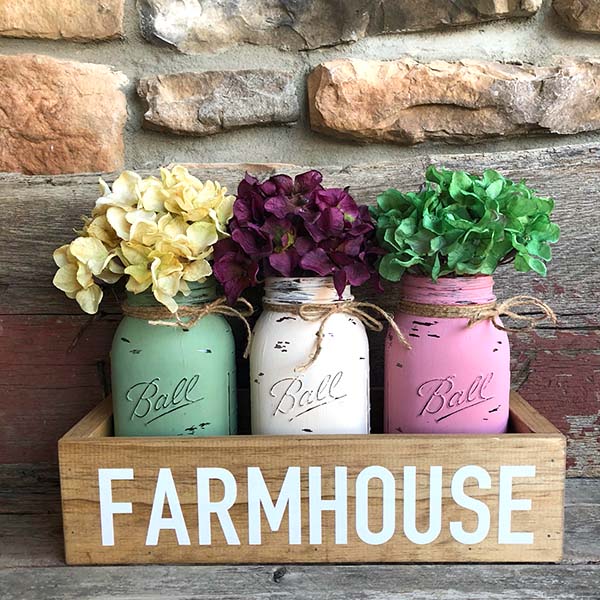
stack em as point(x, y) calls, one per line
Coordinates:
point(63, 116)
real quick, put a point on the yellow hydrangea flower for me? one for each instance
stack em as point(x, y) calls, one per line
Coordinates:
point(158, 232)
point(78, 263)
point(167, 272)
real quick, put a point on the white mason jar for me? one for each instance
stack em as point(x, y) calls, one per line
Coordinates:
point(331, 395)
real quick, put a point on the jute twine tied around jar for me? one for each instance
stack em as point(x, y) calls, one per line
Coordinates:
point(476, 313)
point(322, 312)
point(158, 315)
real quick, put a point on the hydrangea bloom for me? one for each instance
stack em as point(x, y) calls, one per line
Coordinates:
point(295, 228)
point(464, 224)
point(160, 232)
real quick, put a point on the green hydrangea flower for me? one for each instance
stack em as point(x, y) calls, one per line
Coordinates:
point(464, 224)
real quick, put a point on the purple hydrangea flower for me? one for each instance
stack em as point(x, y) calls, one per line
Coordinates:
point(296, 228)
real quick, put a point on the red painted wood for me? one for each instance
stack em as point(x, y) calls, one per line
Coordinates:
point(45, 386)
point(49, 339)
point(559, 373)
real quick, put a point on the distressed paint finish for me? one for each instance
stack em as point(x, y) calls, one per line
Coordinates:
point(556, 369)
point(329, 396)
point(559, 371)
point(454, 378)
point(172, 381)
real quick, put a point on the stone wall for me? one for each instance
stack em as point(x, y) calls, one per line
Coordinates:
point(95, 85)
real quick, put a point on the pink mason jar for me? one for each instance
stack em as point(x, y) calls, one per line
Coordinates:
point(455, 378)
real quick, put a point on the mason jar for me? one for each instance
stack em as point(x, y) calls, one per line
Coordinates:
point(171, 381)
point(331, 395)
point(455, 378)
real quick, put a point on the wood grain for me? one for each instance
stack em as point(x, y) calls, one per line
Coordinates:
point(82, 452)
point(30, 510)
point(30, 539)
point(46, 387)
point(356, 582)
point(27, 489)
point(568, 173)
point(556, 368)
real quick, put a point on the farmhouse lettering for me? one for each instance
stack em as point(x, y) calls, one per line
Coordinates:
point(444, 399)
point(399, 516)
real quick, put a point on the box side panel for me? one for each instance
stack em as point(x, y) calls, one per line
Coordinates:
point(525, 418)
point(374, 522)
point(97, 423)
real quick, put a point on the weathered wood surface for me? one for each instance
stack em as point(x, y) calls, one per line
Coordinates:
point(44, 211)
point(29, 489)
point(366, 582)
point(556, 368)
point(582, 521)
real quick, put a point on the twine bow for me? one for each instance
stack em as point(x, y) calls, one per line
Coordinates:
point(505, 309)
point(476, 313)
point(322, 312)
point(157, 315)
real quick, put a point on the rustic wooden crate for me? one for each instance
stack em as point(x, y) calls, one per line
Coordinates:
point(533, 506)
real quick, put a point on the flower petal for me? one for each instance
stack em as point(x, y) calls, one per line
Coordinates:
point(89, 299)
point(201, 235)
point(125, 187)
point(65, 279)
point(91, 252)
point(117, 218)
point(85, 277)
point(197, 270)
point(61, 256)
point(317, 261)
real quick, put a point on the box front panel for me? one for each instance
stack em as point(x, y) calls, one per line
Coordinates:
point(323, 499)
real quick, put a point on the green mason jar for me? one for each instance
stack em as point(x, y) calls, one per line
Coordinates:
point(169, 381)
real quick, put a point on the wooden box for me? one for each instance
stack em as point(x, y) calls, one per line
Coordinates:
point(340, 499)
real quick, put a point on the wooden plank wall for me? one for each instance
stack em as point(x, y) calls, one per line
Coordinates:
point(47, 385)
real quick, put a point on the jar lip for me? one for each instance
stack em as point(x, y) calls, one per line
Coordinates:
point(470, 289)
point(480, 276)
point(304, 290)
point(307, 280)
point(200, 293)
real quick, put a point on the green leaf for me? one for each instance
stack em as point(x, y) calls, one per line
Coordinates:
point(390, 199)
point(545, 205)
point(490, 176)
point(393, 240)
point(521, 264)
point(408, 258)
point(408, 226)
point(493, 190)
point(460, 183)
point(435, 270)
point(539, 248)
point(390, 268)
point(537, 265)
point(522, 206)
point(552, 233)
point(437, 243)
point(420, 242)
point(460, 252)
point(437, 176)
